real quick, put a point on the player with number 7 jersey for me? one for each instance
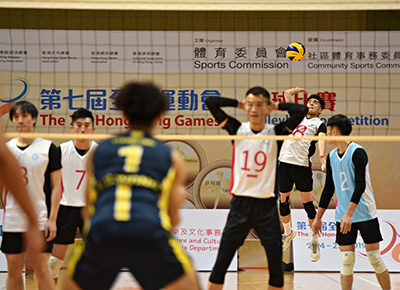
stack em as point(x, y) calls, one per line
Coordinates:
point(254, 180)
point(74, 156)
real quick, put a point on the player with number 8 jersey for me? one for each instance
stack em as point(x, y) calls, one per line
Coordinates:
point(41, 168)
point(295, 169)
point(254, 180)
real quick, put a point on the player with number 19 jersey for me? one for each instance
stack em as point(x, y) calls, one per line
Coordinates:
point(254, 160)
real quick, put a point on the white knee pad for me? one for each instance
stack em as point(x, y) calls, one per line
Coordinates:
point(348, 260)
point(54, 266)
point(375, 259)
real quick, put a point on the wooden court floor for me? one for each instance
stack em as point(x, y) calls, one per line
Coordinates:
point(251, 279)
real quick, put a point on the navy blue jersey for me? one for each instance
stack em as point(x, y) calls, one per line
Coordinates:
point(133, 175)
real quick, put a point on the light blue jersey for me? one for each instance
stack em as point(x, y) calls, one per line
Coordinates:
point(344, 180)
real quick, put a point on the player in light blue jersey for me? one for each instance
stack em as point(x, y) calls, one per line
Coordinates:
point(347, 172)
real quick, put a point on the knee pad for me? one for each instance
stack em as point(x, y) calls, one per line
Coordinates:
point(348, 260)
point(310, 210)
point(54, 266)
point(375, 259)
point(284, 207)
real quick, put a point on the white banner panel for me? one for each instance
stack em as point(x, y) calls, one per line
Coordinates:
point(199, 232)
point(330, 260)
point(198, 51)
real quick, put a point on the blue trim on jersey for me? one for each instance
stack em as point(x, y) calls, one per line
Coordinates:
point(344, 180)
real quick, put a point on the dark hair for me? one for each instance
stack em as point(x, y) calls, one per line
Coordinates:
point(82, 113)
point(342, 123)
point(319, 99)
point(25, 107)
point(259, 91)
point(141, 102)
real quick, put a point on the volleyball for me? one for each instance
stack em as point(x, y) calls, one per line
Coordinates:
point(296, 51)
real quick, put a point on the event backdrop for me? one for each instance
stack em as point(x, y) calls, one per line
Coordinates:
point(356, 72)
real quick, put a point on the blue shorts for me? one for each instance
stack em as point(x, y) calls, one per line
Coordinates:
point(155, 261)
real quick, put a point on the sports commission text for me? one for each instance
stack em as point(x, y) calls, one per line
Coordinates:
point(205, 65)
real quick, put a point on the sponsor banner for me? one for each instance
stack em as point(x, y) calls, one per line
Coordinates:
point(330, 254)
point(58, 95)
point(3, 261)
point(200, 233)
point(198, 51)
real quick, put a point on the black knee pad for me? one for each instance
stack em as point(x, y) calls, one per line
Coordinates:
point(310, 210)
point(284, 207)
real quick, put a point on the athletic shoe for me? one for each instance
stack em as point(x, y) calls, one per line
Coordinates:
point(315, 252)
point(286, 239)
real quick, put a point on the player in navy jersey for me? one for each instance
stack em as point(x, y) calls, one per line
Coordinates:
point(39, 160)
point(254, 180)
point(347, 173)
point(136, 190)
point(295, 169)
point(74, 156)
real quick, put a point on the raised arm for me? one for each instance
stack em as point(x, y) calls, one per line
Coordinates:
point(214, 104)
point(298, 112)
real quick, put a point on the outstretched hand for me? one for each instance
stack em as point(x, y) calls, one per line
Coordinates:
point(290, 92)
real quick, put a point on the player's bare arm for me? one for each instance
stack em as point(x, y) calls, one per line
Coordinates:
point(178, 191)
point(51, 227)
point(321, 150)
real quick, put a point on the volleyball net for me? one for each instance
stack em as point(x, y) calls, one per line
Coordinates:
point(61, 60)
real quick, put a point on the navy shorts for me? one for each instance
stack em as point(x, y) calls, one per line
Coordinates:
point(369, 230)
point(155, 261)
point(13, 243)
point(290, 174)
point(69, 219)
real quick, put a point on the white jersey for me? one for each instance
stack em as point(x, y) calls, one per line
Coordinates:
point(33, 161)
point(254, 164)
point(296, 151)
point(74, 177)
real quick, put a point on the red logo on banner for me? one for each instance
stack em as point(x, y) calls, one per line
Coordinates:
point(391, 246)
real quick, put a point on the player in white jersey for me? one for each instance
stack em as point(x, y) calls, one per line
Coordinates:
point(254, 184)
point(295, 169)
point(11, 178)
point(74, 156)
point(39, 160)
point(347, 173)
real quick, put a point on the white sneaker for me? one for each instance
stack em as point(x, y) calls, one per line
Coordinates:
point(286, 239)
point(315, 252)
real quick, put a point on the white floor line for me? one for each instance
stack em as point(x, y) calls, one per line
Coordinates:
point(366, 280)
